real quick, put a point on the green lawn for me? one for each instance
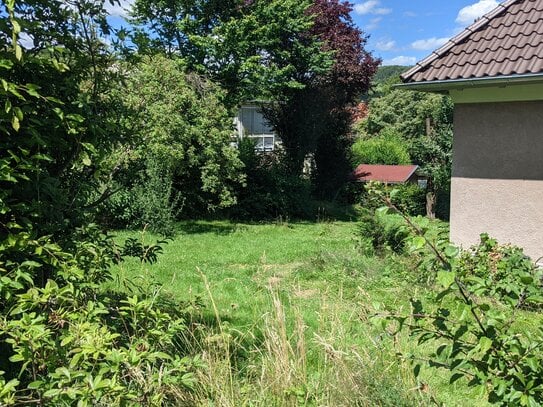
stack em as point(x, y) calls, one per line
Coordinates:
point(248, 275)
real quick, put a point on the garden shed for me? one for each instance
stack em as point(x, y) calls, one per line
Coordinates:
point(493, 71)
point(387, 174)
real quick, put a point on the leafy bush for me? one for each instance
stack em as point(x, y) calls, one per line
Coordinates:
point(503, 272)
point(409, 198)
point(177, 159)
point(271, 191)
point(379, 232)
point(473, 336)
point(387, 149)
point(62, 341)
point(149, 202)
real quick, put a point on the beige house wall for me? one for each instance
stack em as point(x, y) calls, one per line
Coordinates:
point(497, 179)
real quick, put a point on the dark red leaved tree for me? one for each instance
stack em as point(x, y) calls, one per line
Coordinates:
point(316, 120)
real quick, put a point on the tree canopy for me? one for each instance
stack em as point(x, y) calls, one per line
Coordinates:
point(256, 50)
point(315, 120)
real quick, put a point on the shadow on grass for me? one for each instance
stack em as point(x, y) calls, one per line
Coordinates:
point(202, 227)
point(225, 226)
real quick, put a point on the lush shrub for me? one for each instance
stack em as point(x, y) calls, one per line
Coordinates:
point(409, 198)
point(472, 322)
point(149, 202)
point(64, 342)
point(271, 192)
point(387, 149)
point(503, 272)
point(176, 159)
point(379, 233)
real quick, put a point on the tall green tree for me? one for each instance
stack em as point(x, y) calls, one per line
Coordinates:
point(255, 49)
point(316, 119)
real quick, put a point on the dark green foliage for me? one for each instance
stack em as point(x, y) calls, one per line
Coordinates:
point(146, 200)
point(61, 341)
point(315, 120)
point(389, 73)
point(384, 80)
point(271, 192)
point(177, 160)
point(424, 122)
point(256, 50)
point(409, 198)
point(502, 272)
point(379, 233)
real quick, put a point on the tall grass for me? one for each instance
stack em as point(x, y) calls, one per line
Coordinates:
point(285, 365)
point(287, 317)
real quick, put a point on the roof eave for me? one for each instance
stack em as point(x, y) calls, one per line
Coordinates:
point(449, 84)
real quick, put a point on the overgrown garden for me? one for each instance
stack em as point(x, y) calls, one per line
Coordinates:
point(130, 130)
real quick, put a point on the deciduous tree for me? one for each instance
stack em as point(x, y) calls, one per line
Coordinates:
point(316, 119)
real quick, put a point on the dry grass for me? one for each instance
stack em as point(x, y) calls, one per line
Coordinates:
point(289, 366)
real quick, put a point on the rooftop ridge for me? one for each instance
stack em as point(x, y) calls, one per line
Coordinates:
point(471, 29)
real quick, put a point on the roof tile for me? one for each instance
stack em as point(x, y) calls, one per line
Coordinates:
point(391, 174)
point(506, 41)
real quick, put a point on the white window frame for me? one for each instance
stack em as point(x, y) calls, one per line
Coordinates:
point(260, 138)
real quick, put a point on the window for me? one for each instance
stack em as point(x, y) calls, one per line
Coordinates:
point(252, 124)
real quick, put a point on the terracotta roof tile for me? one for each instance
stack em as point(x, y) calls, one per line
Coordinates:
point(391, 174)
point(506, 41)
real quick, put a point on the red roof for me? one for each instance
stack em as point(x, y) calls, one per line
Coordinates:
point(390, 174)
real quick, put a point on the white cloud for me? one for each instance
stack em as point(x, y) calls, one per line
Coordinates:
point(428, 43)
point(470, 13)
point(371, 7)
point(400, 60)
point(374, 23)
point(119, 10)
point(385, 45)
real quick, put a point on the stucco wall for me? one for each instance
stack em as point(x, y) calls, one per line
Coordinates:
point(497, 184)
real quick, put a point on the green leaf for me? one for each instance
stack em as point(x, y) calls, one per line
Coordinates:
point(527, 280)
point(51, 393)
point(416, 370)
point(451, 251)
point(485, 344)
point(16, 358)
point(383, 210)
point(16, 26)
point(455, 377)
point(446, 278)
point(6, 64)
point(18, 52)
point(15, 123)
point(35, 385)
point(87, 162)
point(418, 242)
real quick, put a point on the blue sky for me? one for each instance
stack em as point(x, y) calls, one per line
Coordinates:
point(401, 32)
